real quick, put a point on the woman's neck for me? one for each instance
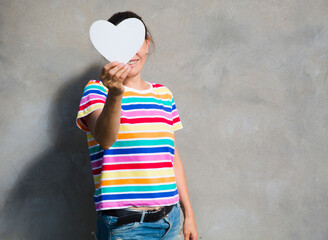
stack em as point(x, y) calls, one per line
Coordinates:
point(136, 83)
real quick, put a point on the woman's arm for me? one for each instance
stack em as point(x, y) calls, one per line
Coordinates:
point(104, 123)
point(189, 224)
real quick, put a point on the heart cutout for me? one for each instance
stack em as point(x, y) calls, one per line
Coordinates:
point(118, 43)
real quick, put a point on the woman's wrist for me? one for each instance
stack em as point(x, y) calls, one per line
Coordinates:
point(187, 211)
point(189, 214)
point(115, 97)
point(116, 92)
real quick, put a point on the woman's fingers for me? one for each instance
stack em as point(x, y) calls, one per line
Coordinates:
point(122, 73)
point(109, 70)
point(115, 71)
point(113, 75)
point(125, 73)
point(104, 72)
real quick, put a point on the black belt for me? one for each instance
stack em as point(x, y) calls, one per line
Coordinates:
point(125, 216)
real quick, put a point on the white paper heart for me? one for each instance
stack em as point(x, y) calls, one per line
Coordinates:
point(118, 43)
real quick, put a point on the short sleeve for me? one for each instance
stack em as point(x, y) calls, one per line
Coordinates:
point(94, 97)
point(177, 125)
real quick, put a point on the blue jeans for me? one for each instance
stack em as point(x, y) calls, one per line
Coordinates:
point(167, 228)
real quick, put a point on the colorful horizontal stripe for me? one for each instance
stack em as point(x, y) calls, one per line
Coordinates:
point(143, 188)
point(137, 202)
point(136, 181)
point(137, 170)
point(131, 196)
point(135, 173)
point(132, 166)
point(146, 120)
point(130, 143)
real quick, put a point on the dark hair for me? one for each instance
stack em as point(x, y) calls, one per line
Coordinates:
point(121, 16)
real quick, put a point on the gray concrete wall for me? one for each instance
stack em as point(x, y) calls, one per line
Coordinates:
point(250, 80)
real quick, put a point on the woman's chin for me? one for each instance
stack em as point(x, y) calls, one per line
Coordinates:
point(133, 73)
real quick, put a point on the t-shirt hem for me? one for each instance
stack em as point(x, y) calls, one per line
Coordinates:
point(122, 207)
point(83, 114)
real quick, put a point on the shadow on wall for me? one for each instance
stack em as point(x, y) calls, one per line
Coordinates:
point(53, 198)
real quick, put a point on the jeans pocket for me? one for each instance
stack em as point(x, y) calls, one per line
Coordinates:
point(125, 227)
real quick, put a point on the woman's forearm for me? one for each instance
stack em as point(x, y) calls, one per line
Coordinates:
point(189, 225)
point(108, 123)
point(104, 124)
point(182, 185)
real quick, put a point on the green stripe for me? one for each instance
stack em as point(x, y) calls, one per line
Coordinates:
point(93, 86)
point(127, 100)
point(135, 189)
point(94, 149)
point(134, 143)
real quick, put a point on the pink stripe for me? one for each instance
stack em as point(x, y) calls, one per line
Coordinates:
point(117, 159)
point(175, 114)
point(143, 113)
point(143, 202)
point(91, 96)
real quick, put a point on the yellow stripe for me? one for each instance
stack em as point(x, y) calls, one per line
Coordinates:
point(96, 179)
point(90, 109)
point(89, 136)
point(145, 127)
point(162, 90)
point(134, 94)
point(177, 126)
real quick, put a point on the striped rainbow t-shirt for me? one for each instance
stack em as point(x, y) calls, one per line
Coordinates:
point(137, 170)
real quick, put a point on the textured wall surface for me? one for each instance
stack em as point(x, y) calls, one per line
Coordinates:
point(250, 80)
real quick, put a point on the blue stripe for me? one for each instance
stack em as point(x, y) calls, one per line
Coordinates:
point(95, 92)
point(139, 150)
point(127, 196)
point(97, 156)
point(145, 106)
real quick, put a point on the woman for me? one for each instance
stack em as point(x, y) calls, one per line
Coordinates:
point(138, 174)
